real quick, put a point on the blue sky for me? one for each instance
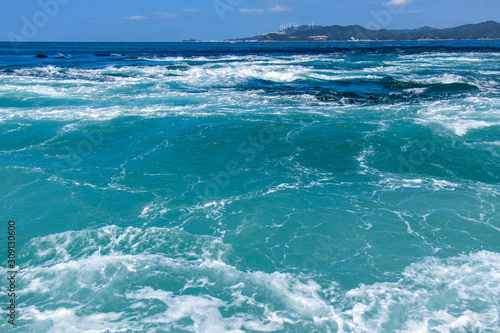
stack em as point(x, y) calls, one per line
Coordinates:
point(165, 20)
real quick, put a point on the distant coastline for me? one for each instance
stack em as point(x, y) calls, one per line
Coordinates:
point(339, 41)
point(489, 30)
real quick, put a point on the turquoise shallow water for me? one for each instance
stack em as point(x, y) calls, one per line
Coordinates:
point(330, 187)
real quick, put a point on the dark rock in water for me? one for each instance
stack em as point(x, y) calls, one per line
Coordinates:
point(41, 56)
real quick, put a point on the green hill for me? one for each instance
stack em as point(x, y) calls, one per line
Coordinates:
point(485, 30)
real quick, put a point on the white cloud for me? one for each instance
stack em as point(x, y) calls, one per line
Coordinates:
point(397, 3)
point(252, 11)
point(135, 18)
point(281, 9)
point(275, 9)
point(164, 15)
point(192, 10)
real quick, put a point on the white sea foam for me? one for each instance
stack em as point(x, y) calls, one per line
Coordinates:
point(429, 184)
point(444, 78)
point(461, 126)
point(417, 91)
point(460, 117)
point(180, 84)
point(457, 294)
point(129, 279)
point(444, 59)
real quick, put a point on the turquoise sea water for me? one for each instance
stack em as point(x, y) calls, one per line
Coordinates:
point(330, 187)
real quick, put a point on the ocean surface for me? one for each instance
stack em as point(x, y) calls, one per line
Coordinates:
point(217, 187)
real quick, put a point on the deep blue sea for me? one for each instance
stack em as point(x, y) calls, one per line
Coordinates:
point(248, 187)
